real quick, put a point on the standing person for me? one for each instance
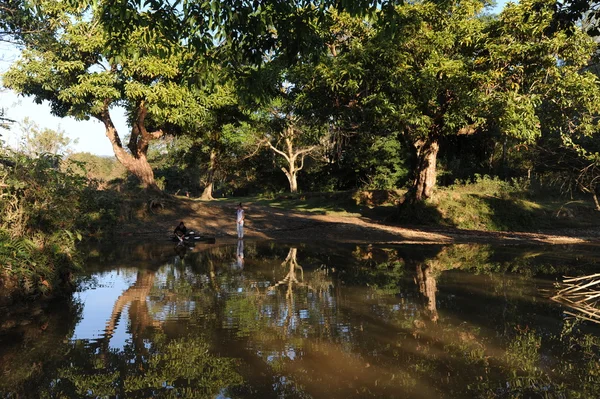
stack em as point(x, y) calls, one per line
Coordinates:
point(240, 221)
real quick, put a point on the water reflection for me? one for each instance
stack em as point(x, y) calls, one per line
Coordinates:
point(428, 287)
point(239, 254)
point(299, 321)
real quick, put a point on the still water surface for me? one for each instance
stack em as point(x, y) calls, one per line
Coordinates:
point(264, 320)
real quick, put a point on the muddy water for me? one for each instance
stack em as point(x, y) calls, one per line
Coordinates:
point(262, 320)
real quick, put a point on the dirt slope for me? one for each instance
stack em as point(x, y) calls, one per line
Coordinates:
point(218, 219)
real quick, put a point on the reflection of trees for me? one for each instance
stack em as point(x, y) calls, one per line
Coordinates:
point(290, 278)
point(428, 287)
point(153, 362)
point(500, 359)
point(298, 326)
point(157, 360)
point(272, 304)
point(32, 341)
point(134, 297)
point(180, 367)
point(291, 281)
point(335, 323)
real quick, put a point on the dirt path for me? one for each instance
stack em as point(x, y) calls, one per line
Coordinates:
point(262, 222)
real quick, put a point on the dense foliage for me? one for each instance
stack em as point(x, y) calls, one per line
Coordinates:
point(336, 95)
point(44, 211)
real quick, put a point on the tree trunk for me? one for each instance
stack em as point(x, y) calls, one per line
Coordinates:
point(135, 162)
point(208, 188)
point(293, 182)
point(291, 175)
point(427, 151)
point(207, 193)
point(141, 169)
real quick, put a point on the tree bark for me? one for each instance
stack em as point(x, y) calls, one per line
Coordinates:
point(136, 161)
point(291, 175)
point(427, 151)
point(208, 188)
point(293, 184)
point(141, 169)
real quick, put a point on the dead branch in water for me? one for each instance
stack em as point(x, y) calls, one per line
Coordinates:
point(581, 294)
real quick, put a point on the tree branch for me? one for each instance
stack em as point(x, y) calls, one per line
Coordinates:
point(278, 151)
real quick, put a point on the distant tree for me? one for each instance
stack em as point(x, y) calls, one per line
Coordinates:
point(37, 141)
point(287, 143)
point(209, 153)
point(97, 167)
point(285, 133)
point(4, 121)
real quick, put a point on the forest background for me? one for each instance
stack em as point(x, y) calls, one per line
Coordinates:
point(428, 112)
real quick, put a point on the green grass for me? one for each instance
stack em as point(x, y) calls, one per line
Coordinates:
point(334, 203)
point(491, 204)
point(484, 204)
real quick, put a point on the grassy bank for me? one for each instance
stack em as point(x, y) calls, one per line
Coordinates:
point(496, 205)
point(483, 204)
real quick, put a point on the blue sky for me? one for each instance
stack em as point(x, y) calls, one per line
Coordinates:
point(90, 135)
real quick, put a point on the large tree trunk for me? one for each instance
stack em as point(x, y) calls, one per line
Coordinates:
point(208, 188)
point(141, 169)
point(426, 173)
point(135, 161)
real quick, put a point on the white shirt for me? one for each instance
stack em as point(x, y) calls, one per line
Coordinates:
point(240, 216)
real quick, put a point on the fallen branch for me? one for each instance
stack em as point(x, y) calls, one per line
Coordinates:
point(581, 294)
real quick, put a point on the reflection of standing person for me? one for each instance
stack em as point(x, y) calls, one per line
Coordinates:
point(240, 254)
point(240, 221)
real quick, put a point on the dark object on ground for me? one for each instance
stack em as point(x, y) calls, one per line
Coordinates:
point(191, 237)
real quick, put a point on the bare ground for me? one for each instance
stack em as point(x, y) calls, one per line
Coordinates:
point(217, 219)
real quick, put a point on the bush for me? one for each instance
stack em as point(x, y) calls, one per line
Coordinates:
point(487, 204)
point(43, 212)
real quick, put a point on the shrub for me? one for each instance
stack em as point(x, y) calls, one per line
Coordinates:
point(43, 212)
point(486, 204)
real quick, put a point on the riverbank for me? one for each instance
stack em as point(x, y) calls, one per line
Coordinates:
point(265, 222)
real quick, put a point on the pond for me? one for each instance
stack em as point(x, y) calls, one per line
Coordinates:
point(269, 319)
